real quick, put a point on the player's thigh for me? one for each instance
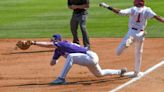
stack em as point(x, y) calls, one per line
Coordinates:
point(81, 59)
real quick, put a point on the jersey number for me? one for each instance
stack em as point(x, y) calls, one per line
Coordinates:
point(139, 18)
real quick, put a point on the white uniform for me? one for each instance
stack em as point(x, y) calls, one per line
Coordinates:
point(90, 60)
point(137, 23)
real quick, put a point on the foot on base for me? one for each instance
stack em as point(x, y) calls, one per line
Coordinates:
point(133, 74)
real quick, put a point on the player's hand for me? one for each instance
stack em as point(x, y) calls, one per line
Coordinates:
point(53, 62)
point(104, 5)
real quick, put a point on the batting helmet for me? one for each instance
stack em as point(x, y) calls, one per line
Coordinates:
point(57, 37)
point(139, 3)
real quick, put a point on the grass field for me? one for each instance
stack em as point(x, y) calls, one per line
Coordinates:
point(42, 18)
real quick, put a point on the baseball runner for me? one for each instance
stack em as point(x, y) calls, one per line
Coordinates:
point(74, 54)
point(138, 15)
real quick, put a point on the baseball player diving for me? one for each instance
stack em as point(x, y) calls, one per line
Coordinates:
point(74, 54)
point(138, 15)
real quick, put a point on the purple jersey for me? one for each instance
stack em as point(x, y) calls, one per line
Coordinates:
point(65, 47)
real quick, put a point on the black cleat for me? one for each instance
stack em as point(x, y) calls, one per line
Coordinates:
point(58, 81)
point(123, 71)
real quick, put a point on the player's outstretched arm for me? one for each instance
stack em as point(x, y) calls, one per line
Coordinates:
point(159, 18)
point(44, 44)
point(104, 5)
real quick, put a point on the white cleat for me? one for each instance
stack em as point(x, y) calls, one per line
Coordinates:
point(133, 74)
point(129, 41)
point(138, 74)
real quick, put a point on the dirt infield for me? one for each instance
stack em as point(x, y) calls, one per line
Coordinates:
point(153, 82)
point(29, 71)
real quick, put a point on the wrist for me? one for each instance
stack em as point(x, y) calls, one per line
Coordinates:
point(110, 8)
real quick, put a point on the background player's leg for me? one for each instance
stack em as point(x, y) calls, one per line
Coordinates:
point(74, 27)
point(83, 28)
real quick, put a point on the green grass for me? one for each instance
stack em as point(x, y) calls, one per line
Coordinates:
point(42, 18)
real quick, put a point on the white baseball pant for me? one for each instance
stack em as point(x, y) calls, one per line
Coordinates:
point(138, 39)
point(90, 60)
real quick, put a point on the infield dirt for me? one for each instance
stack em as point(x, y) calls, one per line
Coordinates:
point(29, 71)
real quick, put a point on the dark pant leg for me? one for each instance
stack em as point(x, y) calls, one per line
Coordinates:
point(82, 21)
point(74, 27)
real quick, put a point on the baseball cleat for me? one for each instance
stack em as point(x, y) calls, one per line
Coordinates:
point(137, 74)
point(133, 74)
point(58, 81)
point(123, 71)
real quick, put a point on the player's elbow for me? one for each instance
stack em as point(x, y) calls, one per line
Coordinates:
point(162, 20)
point(98, 74)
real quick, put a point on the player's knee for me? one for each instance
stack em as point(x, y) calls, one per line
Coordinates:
point(98, 75)
point(118, 53)
point(120, 49)
point(69, 58)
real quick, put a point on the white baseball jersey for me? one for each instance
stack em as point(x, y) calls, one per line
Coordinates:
point(138, 16)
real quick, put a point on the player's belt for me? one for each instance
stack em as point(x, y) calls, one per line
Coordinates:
point(136, 29)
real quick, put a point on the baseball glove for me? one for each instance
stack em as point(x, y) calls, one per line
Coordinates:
point(24, 45)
